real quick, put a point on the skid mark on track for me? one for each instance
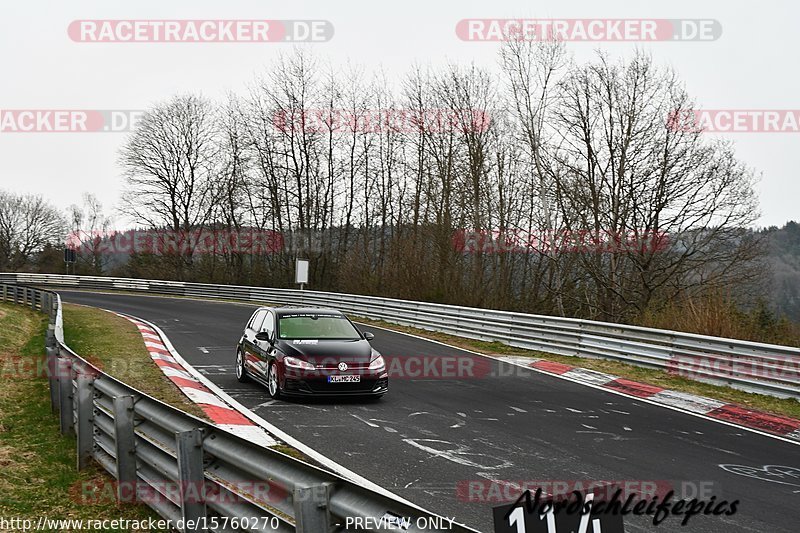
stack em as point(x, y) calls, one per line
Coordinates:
point(367, 422)
point(457, 453)
point(510, 484)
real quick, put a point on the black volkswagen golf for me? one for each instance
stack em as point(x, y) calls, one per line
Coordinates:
point(309, 352)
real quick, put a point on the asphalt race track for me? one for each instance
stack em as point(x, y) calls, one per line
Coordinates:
point(437, 440)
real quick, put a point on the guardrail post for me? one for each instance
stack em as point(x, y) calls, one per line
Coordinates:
point(125, 447)
point(5, 292)
point(33, 293)
point(64, 377)
point(50, 336)
point(16, 295)
point(312, 509)
point(51, 352)
point(85, 429)
point(191, 477)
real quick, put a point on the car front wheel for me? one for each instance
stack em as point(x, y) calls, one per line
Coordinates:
point(241, 371)
point(273, 382)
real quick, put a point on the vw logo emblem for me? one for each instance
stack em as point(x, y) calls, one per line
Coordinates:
point(342, 367)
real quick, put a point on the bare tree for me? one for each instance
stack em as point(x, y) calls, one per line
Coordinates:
point(89, 227)
point(624, 171)
point(27, 224)
point(578, 149)
point(533, 70)
point(171, 166)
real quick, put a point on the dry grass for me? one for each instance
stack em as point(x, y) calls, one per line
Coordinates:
point(115, 345)
point(37, 463)
point(761, 402)
point(719, 315)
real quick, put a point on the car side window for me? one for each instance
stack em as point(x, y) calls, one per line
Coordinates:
point(258, 318)
point(269, 323)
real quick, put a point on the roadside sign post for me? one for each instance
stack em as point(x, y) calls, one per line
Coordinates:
point(301, 272)
point(69, 257)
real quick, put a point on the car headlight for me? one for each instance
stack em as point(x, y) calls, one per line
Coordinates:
point(293, 362)
point(377, 362)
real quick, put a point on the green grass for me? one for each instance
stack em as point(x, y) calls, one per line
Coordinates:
point(293, 452)
point(115, 345)
point(38, 476)
point(779, 406)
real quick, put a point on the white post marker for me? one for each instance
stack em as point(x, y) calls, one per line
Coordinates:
point(301, 272)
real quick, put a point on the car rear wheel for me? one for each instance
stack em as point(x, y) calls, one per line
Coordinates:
point(273, 383)
point(241, 371)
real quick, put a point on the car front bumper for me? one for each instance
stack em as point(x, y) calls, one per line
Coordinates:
point(318, 385)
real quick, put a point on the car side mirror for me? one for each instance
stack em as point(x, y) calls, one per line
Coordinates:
point(264, 336)
point(369, 336)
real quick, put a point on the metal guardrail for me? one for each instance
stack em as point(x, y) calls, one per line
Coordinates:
point(754, 367)
point(194, 473)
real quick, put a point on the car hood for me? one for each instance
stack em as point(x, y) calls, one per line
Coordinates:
point(325, 352)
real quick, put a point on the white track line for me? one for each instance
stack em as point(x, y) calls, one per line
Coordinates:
point(586, 384)
point(330, 464)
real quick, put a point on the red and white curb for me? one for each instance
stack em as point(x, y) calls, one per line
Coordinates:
point(781, 426)
point(216, 408)
point(258, 429)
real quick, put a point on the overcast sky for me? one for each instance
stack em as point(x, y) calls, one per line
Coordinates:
point(753, 65)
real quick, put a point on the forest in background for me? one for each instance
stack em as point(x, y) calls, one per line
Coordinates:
point(375, 185)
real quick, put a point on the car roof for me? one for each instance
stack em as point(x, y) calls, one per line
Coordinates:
point(289, 310)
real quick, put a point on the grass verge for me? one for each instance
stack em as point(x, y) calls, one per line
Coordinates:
point(779, 406)
point(114, 345)
point(37, 464)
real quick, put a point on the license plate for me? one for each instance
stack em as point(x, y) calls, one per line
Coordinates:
point(344, 379)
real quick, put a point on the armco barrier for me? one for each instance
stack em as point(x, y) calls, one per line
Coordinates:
point(755, 367)
point(198, 475)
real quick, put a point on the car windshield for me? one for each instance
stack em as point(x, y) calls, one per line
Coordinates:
point(310, 326)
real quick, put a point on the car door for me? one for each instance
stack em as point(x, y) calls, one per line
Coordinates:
point(249, 342)
point(263, 349)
